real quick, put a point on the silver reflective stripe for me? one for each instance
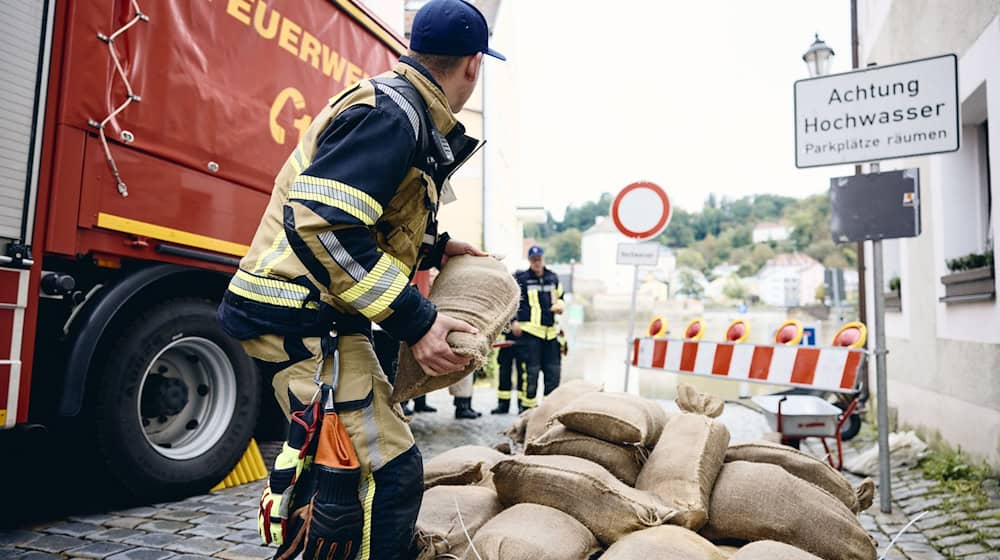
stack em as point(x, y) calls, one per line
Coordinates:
point(371, 433)
point(274, 255)
point(547, 288)
point(380, 287)
point(269, 291)
point(341, 256)
point(398, 99)
point(336, 194)
point(534, 288)
point(429, 239)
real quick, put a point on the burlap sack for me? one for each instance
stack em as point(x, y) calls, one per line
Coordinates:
point(531, 531)
point(615, 417)
point(683, 466)
point(666, 542)
point(727, 551)
point(623, 461)
point(691, 400)
point(800, 464)
point(865, 493)
point(467, 464)
point(566, 393)
point(439, 530)
point(477, 290)
point(583, 490)
point(758, 501)
point(771, 550)
point(518, 430)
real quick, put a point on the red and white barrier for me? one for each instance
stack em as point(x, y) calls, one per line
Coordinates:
point(826, 368)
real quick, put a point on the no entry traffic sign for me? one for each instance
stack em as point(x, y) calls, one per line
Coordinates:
point(641, 210)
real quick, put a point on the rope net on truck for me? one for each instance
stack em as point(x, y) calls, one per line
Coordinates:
point(130, 97)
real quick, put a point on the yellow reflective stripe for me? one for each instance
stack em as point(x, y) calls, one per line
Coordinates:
point(399, 264)
point(272, 292)
point(559, 290)
point(544, 333)
point(279, 250)
point(503, 395)
point(274, 245)
point(332, 193)
point(536, 307)
point(366, 535)
point(379, 288)
point(299, 161)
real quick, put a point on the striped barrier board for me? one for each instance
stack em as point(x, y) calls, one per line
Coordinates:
point(827, 368)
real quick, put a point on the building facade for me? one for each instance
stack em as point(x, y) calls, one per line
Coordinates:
point(790, 280)
point(944, 338)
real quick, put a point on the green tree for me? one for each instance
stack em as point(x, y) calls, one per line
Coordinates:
point(759, 256)
point(584, 217)
point(689, 284)
point(564, 246)
point(734, 288)
point(689, 258)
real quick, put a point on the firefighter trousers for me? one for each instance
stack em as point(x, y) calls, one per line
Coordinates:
point(391, 486)
point(507, 362)
point(537, 355)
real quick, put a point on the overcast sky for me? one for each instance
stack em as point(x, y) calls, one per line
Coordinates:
point(693, 95)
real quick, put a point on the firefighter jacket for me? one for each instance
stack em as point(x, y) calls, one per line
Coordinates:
point(352, 215)
point(537, 296)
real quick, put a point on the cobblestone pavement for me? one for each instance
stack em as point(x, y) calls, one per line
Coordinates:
point(223, 525)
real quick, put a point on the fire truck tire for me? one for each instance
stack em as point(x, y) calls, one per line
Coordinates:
point(176, 401)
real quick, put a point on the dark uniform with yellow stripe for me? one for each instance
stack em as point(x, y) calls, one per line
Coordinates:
point(351, 217)
point(538, 346)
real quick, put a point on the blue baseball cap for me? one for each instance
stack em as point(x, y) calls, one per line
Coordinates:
point(451, 28)
point(535, 251)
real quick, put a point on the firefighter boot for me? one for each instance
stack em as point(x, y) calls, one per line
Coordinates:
point(420, 405)
point(463, 409)
point(503, 407)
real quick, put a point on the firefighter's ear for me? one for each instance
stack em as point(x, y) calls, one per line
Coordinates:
point(472, 66)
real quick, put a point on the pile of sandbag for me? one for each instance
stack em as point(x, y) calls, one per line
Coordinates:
point(614, 476)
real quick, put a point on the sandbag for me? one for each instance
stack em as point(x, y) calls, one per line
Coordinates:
point(438, 528)
point(683, 466)
point(666, 542)
point(566, 393)
point(477, 290)
point(691, 400)
point(615, 417)
point(467, 464)
point(759, 501)
point(623, 461)
point(771, 550)
point(800, 464)
point(519, 428)
point(581, 489)
point(865, 493)
point(727, 551)
point(531, 531)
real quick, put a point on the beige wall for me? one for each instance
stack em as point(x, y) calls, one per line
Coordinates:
point(944, 359)
point(463, 219)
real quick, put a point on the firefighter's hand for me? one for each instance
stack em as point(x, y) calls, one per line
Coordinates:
point(558, 307)
point(432, 351)
point(515, 328)
point(455, 248)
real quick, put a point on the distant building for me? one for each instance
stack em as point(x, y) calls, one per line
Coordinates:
point(771, 231)
point(599, 256)
point(790, 280)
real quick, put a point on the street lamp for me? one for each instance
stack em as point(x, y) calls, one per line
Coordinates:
point(818, 58)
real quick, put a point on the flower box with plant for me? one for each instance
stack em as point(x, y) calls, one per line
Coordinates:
point(971, 278)
point(893, 298)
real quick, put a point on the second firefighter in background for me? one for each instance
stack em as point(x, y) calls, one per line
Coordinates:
point(538, 347)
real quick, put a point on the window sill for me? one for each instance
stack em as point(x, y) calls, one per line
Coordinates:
point(969, 286)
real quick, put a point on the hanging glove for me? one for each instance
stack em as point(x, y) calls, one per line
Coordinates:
point(336, 516)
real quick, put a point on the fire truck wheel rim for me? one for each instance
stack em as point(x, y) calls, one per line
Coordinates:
point(186, 417)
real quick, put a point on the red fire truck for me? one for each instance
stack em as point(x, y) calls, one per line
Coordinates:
point(138, 144)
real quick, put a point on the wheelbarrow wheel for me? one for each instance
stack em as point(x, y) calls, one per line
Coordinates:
point(852, 426)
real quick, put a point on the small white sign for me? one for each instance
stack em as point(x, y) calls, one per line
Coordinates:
point(882, 112)
point(642, 254)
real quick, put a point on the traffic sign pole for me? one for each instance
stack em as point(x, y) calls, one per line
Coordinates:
point(640, 211)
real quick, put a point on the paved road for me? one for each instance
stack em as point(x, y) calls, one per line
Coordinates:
point(223, 525)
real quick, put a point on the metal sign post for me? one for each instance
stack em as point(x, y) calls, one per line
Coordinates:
point(874, 207)
point(640, 211)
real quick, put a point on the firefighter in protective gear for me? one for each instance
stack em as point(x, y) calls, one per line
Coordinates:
point(506, 362)
point(352, 215)
point(538, 346)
